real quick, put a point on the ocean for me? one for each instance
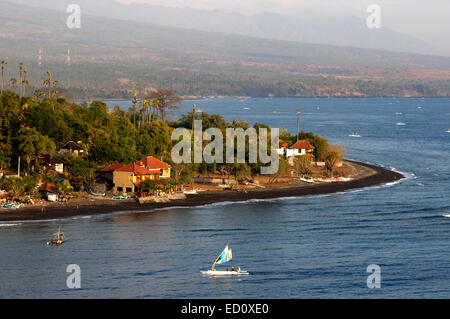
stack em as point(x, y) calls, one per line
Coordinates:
point(298, 247)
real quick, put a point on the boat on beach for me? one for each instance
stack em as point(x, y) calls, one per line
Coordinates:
point(192, 191)
point(224, 257)
point(58, 238)
point(307, 180)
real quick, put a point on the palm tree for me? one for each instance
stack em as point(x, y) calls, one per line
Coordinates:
point(23, 81)
point(12, 83)
point(48, 83)
point(135, 100)
point(3, 68)
point(39, 93)
point(20, 78)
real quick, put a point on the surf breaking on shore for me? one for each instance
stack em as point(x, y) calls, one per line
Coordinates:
point(379, 175)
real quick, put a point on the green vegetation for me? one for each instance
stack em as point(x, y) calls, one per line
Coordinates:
point(33, 128)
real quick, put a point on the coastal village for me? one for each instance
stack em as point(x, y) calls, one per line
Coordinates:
point(54, 152)
point(124, 181)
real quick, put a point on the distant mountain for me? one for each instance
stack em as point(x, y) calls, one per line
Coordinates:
point(351, 31)
point(110, 58)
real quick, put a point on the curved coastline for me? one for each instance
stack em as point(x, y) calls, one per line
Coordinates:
point(103, 206)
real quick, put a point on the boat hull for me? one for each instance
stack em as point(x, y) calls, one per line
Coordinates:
point(224, 273)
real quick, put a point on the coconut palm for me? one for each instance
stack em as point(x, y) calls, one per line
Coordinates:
point(23, 81)
point(3, 68)
point(135, 100)
point(48, 83)
point(24, 84)
point(39, 93)
point(12, 83)
point(20, 78)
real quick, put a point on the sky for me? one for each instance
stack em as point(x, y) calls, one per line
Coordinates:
point(428, 20)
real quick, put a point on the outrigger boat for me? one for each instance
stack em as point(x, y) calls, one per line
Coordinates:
point(59, 238)
point(224, 257)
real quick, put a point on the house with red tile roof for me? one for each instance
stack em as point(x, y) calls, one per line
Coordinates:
point(300, 148)
point(152, 163)
point(128, 178)
point(283, 146)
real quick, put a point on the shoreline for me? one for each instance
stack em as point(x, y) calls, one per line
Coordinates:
point(105, 206)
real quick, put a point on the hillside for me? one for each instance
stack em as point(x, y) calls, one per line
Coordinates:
point(111, 58)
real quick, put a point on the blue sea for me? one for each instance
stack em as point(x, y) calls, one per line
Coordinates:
point(298, 247)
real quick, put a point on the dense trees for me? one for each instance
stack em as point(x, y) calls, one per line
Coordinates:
point(30, 127)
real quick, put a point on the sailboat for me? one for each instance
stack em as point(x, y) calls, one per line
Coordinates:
point(355, 135)
point(224, 257)
point(58, 239)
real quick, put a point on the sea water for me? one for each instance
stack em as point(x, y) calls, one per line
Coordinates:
point(298, 247)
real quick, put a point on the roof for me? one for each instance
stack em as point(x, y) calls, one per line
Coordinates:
point(47, 159)
point(71, 145)
point(153, 163)
point(48, 187)
point(283, 143)
point(112, 167)
point(136, 169)
point(302, 145)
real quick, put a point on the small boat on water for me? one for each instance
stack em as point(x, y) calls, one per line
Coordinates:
point(448, 131)
point(398, 113)
point(224, 257)
point(355, 135)
point(59, 238)
point(401, 123)
point(246, 108)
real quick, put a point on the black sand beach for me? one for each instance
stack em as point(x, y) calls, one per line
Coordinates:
point(377, 176)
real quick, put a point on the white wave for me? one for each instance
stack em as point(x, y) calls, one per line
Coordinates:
point(9, 225)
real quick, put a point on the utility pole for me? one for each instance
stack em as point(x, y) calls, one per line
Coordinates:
point(298, 124)
point(18, 168)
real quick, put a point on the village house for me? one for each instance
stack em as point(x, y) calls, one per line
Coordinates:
point(128, 178)
point(49, 163)
point(300, 148)
point(49, 191)
point(71, 148)
point(152, 163)
point(108, 172)
point(283, 147)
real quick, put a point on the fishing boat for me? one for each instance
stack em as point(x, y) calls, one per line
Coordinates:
point(401, 123)
point(308, 180)
point(59, 238)
point(224, 257)
point(448, 131)
point(355, 135)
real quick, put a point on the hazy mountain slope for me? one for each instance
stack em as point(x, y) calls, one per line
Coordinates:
point(351, 31)
point(113, 57)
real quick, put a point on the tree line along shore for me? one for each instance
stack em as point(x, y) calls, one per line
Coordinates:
point(49, 144)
